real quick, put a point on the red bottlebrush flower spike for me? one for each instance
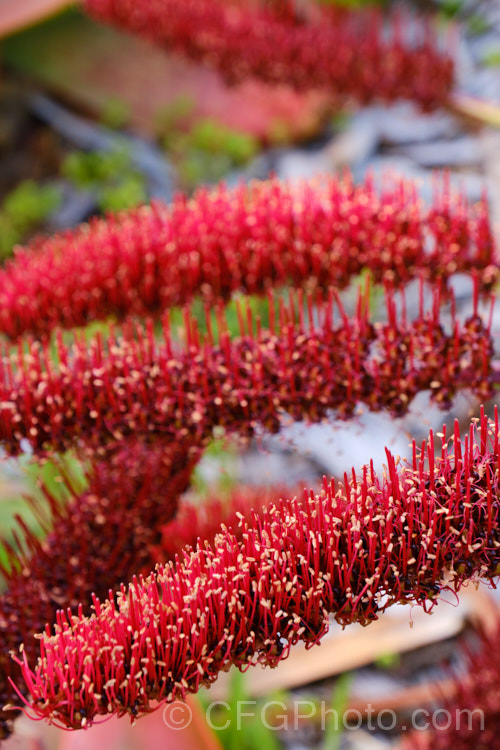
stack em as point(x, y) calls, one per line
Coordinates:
point(347, 53)
point(267, 235)
point(350, 551)
point(96, 540)
point(133, 386)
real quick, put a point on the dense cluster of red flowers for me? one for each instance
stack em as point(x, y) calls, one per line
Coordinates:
point(94, 539)
point(103, 392)
point(345, 52)
point(256, 237)
point(351, 551)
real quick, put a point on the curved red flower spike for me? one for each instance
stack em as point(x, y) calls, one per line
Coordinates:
point(254, 238)
point(347, 53)
point(101, 393)
point(351, 551)
point(94, 540)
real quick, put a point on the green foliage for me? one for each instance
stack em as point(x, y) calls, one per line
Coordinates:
point(259, 308)
point(127, 193)
point(235, 730)
point(175, 116)
point(13, 502)
point(213, 138)
point(202, 149)
point(453, 9)
point(334, 723)
point(48, 473)
point(257, 731)
point(88, 169)
point(223, 452)
point(197, 166)
point(23, 211)
point(450, 8)
point(115, 114)
point(477, 24)
point(110, 176)
point(388, 661)
point(492, 59)
point(340, 120)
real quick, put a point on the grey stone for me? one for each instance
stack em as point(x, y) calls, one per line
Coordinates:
point(490, 142)
point(358, 142)
point(484, 84)
point(404, 123)
point(298, 164)
point(76, 206)
point(463, 151)
point(338, 446)
point(483, 45)
point(464, 62)
point(262, 465)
